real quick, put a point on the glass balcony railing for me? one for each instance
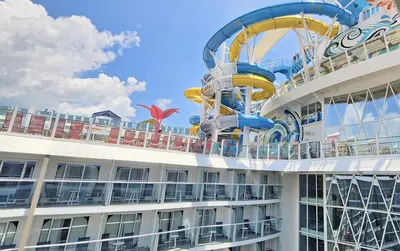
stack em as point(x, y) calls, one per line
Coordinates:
point(79, 193)
point(372, 48)
point(129, 134)
point(180, 239)
point(16, 194)
point(189, 144)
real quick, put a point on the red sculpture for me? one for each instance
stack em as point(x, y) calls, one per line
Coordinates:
point(158, 115)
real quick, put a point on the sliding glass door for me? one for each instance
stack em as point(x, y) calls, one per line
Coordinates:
point(176, 191)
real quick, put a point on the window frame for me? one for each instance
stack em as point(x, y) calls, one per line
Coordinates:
point(6, 232)
point(82, 178)
point(70, 227)
point(22, 175)
point(121, 222)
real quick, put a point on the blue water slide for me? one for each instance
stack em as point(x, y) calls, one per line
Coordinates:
point(254, 121)
point(290, 70)
point(317, 7)
point(246, 68)
point(354, 6)
point(194, 119)
point(228, 98)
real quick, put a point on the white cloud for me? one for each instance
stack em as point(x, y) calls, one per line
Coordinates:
point(163, 103)
point(42, 59)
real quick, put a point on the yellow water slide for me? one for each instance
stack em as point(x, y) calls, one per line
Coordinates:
point(295, 22)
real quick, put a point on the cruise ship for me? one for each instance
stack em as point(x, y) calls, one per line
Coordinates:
point(307, 163)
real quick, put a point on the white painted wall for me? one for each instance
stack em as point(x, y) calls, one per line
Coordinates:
point(290, 212)
point(35, 147)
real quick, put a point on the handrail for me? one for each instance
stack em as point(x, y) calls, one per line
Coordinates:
point(150, 234)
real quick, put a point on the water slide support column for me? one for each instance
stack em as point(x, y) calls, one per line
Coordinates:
point(247, 111)
point(217, 99)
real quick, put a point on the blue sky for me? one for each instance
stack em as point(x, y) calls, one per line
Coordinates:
point(172, 33)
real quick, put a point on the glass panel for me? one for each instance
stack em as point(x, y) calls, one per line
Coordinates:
point(364, 184)
point(12, 169)
point(80, 221)
point(344, 185)
point(391, 108)
point(392, 126)
point(351, 131)
point(390, 241)
point(371, 129)
point(376, 200)
point(370, 113)
point(60, 170)
point(332, 118)
point(91, 172)
point(122, 173)
point(76, 233)
point(334, 197)
point(387, 187)
point(356, 218)
point(378, 95)
point(345, 233)
point(396, 199)
point(367, 237)
point(351, 115)
point(303, 217)
point(303, 187)
point(312, 218)
point(359, 101)
point(74, 171)
point(312, 188)
point(29, 169)
point(61, 223)
point(355, 199)
point(378, 223)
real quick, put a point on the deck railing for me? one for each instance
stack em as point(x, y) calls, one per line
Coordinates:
point(182, 238)
point(369, 49)
point(57, 128)
point(65, 193)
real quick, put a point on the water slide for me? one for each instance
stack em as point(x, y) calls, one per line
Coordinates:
point(229, 76)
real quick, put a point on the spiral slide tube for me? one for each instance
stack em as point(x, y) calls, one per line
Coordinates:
point(317, 7)
point(227, 77)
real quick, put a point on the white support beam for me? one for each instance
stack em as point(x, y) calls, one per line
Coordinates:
point(35, 199)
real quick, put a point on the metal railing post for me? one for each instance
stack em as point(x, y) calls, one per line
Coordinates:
point(355, 147)
point(120, 132)
point(308, 150)
point(331, 63)
point(89, 133)
point(386, 43)
point(188, 144)
point(222, 147)
point(321, 150)
point(377, 144)
point(347, 57)
point(237, 149)
point(12, 120)
point(268, 151)
point(146, 136)
point(169, 139)
point(279, 151)
point(288, 157)
point(54, 129)
point(258, 151)
point(336, 148)
point(365, 51)
point(298, 151)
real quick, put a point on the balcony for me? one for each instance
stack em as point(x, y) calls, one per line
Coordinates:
point(175, 141)
point(16, 193)
point(79, 193)
point(369, 49)
point(180, 239)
